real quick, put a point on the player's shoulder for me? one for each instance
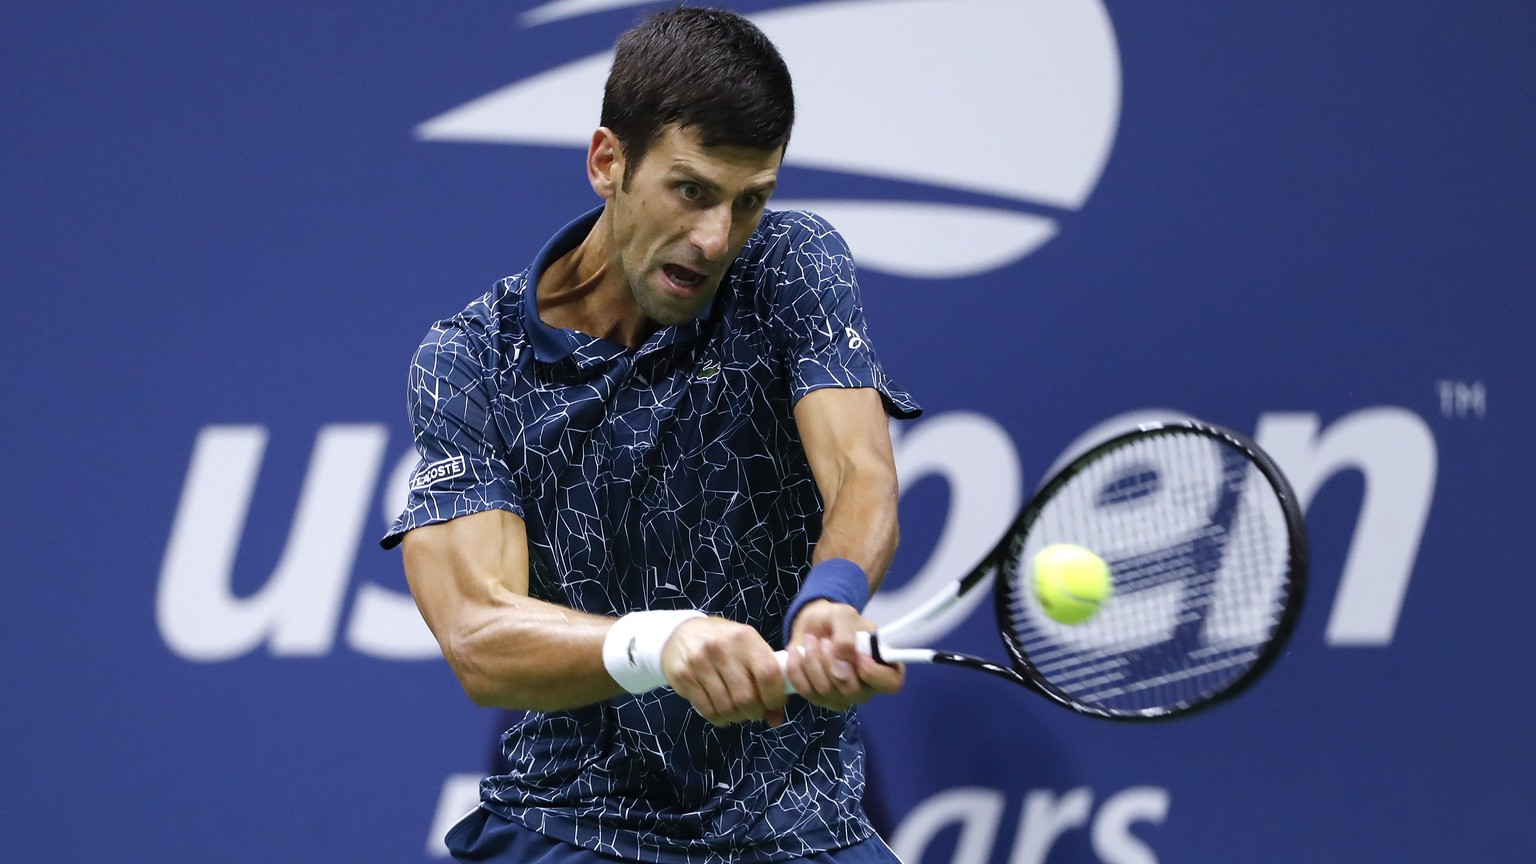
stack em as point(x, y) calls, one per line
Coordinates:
point(794, 258)
point(477, 335)
point(790, 232)
point(793, 245)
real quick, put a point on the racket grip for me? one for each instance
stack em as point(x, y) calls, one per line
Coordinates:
point(866, 644)
point(783, 658)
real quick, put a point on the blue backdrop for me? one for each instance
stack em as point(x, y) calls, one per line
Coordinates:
point(226, 226)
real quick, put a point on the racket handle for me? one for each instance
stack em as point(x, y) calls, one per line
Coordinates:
point(869, 645)
point(783, 658)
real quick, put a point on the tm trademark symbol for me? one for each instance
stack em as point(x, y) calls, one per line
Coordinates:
point(1462, 399)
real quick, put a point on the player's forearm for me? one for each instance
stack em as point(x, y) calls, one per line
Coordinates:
point(527, 654)
point(860, 520)
point(847, 442)
point(469, 577)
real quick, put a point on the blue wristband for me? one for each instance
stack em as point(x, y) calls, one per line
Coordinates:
point(835, 579)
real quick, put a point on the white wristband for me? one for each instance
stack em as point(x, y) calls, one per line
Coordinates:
point(632, 648)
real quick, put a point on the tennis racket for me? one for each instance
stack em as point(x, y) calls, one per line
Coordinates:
point(1207, 553)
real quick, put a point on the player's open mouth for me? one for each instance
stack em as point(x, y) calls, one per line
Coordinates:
point(683, 277)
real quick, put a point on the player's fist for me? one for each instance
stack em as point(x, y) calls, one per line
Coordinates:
point(826, 666)
point(727, 670)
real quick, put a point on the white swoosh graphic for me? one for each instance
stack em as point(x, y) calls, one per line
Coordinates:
point(1018, 100)
point(560, 9)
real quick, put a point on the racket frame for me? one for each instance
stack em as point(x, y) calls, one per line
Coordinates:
point(1023, 671)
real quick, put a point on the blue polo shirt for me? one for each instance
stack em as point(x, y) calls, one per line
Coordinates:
point(670, 476)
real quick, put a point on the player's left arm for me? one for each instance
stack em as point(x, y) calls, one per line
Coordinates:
point(847, 441)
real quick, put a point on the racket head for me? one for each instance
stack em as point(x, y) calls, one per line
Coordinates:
point(1207, 550)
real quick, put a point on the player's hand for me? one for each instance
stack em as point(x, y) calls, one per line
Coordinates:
point(727, 670)
point(825, 663)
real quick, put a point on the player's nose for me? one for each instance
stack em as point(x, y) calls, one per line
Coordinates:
point(711, 233)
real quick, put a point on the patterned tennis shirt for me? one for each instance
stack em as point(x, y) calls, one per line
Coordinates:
point(665, 477)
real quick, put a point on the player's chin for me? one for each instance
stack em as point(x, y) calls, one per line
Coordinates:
point(672, 311)
point(669, 302)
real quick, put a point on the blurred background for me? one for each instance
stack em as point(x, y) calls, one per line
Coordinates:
point(224, 227)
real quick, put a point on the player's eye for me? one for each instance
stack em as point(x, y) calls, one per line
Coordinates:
point(750, 202)
point(690, 191)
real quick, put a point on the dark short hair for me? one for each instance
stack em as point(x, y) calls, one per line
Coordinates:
point(703, 69)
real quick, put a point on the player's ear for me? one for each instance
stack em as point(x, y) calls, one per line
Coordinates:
point(605, 162)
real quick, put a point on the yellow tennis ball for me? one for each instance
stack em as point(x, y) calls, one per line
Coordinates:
point(1071, 582)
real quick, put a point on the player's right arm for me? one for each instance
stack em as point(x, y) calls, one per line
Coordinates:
point(470, 579)
point(466, 546)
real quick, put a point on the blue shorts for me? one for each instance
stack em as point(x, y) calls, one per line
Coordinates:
point(485, 836)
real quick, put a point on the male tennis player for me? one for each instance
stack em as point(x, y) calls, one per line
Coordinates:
point(648, 460)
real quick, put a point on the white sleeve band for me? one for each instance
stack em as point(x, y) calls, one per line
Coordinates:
point(632, 648)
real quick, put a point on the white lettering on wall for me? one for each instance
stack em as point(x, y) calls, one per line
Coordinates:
point(1395, 451)
point(297, 610)
point(1044, 819)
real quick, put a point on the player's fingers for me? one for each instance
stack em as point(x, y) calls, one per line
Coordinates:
point(741, 677)
point(724, 669)
point(819, 667)
point(880, 677)
point(813, 666)
point(795, 669)
point(705, 697)
point(768, 681)
point(840, 666)
point(709, 689)
point(720, 706)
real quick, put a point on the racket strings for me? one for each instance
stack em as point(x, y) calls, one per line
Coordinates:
point(1198, 549)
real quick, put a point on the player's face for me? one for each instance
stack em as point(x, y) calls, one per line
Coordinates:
point(685, 215)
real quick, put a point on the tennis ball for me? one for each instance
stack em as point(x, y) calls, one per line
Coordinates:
point(1071, 582)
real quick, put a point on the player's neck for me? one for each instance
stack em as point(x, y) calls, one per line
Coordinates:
point(581, 290)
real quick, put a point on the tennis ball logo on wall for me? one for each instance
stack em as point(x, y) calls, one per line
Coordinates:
point(1017, 107)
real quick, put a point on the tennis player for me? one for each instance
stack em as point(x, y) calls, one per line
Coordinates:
point(649, 460)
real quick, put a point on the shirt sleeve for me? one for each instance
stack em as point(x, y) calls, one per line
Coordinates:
point(462, 467)
point(817, 316)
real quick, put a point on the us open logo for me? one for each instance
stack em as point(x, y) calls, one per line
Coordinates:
point(951, 137)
